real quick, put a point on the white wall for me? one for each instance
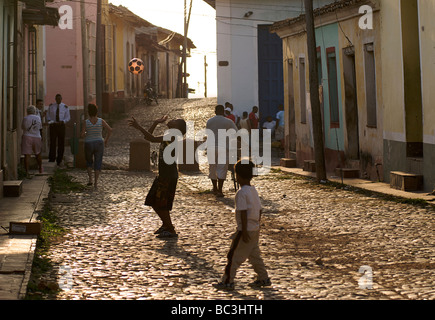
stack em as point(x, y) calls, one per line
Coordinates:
point(237, 44)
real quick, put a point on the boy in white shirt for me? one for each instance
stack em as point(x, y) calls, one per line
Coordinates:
point(245, 243)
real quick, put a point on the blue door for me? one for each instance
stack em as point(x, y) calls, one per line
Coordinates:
point(270, 72)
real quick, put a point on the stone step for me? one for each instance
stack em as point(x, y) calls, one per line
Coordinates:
point(288, 163)
point(406, 181)
point(292, 154)
point(348, 173)
point(25, 228)
point(12, 188)
point(310, 165)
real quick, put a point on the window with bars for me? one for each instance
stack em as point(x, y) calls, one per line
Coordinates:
point(302, 90)
point(32, 67)
point(92, 47)
point(109, 59)
point(370, 75)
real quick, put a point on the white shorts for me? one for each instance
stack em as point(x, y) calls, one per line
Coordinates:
point(218, 170)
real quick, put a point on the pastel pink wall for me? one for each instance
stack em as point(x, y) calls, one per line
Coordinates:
point(64, 72)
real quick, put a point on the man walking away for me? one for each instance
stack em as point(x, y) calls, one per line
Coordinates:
point(58, 116)
point(218, 171)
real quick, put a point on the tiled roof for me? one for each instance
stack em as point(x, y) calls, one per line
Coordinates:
point(211, 2)
point(332, 7)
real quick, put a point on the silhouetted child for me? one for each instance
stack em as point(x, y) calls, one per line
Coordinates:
point(245, 243)
point(162, 193)
point(244, 122)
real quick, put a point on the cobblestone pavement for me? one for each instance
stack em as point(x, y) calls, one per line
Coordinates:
point(315, 238)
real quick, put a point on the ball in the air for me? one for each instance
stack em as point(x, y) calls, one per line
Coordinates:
point(136, 66)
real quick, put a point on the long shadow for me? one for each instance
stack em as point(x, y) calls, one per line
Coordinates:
point(200, 265)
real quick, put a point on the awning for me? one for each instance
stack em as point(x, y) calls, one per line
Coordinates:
point(42, 16)
point(36, 13)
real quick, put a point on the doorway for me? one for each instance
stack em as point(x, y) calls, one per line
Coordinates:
point(291, 109)
point(270, 72)
point(351, 104)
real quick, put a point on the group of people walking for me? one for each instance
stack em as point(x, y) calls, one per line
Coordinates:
point(56, 117)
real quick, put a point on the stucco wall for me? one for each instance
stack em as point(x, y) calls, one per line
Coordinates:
point(427, 49)
point(427, 39)
point(370, 137)
point(237, 44)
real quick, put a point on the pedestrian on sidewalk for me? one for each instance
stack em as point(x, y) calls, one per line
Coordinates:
point(280, 125)
point(92, 132)
point(58, 116)
point(40, 111)
point(218, 171)
point(162, 192)
point(31, 140)
point(245, 243)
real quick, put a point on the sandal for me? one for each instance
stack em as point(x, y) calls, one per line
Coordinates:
point(159, 230)
point(166, 235)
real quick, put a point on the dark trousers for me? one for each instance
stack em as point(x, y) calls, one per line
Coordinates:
point(57, 139)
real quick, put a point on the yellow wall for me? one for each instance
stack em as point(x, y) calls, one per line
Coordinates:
point(119, 53)
point(427, 35)
point(368, 137)
point(294, 48)
point(392, 71)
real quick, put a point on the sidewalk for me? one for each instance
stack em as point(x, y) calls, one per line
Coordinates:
point(16, 251)
point(377, 187)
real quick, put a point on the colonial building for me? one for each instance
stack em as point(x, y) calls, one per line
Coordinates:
point(71, 60)
point(350, 80)
point(249, 66)
point(408, 74)
point(21, 35)
point(129, 36)
point(376, 69)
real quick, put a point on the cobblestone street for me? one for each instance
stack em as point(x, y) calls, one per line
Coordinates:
point(314, 238)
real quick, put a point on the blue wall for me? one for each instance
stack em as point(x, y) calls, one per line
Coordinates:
point(327, 37)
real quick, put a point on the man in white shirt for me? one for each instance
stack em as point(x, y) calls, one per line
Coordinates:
point(218, 171)
point(57, 116)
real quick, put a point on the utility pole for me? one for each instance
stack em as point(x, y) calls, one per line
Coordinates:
point(184, 89)
point(205, 76)
point(314, 94)
point(99, 60)
point(85, 55)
